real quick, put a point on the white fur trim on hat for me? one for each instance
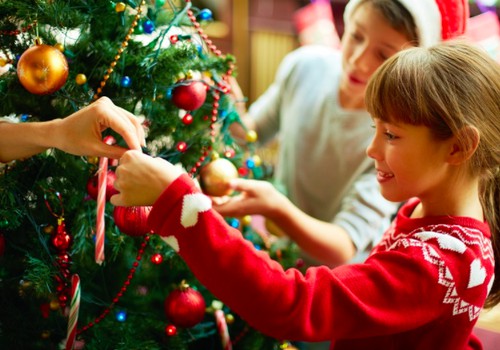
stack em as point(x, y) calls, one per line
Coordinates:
point(426, 16)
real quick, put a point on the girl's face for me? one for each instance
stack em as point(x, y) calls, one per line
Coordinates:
point(367, 42)
point(410, 162)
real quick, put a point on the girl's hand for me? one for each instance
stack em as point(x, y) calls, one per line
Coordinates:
point(141, 179)
point(256, 198)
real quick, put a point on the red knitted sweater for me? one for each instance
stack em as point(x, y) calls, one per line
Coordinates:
point(422, 287)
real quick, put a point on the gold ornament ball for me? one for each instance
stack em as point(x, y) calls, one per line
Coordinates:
point(257, 160)
point(246, 220)
point(42, 69)
point(215, 177)
point(60, 47)
point(229, 319)
point(49, 229)
point(80, 79)
point(54, 304)
point(120, 7)
point(251, 136)
point(93, 160)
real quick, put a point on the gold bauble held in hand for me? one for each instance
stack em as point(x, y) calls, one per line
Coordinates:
point(42, 69)
point(215, 177)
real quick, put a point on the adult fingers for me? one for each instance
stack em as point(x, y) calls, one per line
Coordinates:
point(128, 126)
point(108, 151)
point(134, 120)
point(120, 120)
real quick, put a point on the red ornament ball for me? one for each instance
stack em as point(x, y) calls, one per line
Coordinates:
point(61, 241)
point(190, 95)
point(93, 185)
point(42, 69)
point(187, 119)
point(132, 221)
point(157, 258)
point(185, 307)
point(170, 330)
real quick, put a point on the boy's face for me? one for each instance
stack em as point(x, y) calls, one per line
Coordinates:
point(367, 42)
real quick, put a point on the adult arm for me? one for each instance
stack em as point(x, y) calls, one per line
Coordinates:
point(78, 134)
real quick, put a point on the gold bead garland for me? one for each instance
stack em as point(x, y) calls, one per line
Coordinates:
point(122, 48)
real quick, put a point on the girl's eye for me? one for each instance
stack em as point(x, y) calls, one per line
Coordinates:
point(390, 136)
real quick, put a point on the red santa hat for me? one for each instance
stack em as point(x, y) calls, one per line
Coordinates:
point(436, 20)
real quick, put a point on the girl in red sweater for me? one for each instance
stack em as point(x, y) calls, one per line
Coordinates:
point(437, 146)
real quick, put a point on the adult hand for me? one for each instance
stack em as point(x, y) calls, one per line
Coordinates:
point(141, 179)
point(80, 133)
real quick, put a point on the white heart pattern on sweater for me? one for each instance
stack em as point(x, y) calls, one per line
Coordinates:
point(477, 274)
point(192, 205)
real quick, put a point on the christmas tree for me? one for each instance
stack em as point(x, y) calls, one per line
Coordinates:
point(76, 272)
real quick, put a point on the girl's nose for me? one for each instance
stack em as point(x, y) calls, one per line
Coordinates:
point(372, 150)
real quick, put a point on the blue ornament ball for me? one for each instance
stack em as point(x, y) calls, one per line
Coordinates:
point(205, 15)
point(250, 163)
point(148, 27)
point(126, 82)
point(121, 316)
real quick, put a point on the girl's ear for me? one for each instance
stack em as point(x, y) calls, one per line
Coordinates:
point(464, 144)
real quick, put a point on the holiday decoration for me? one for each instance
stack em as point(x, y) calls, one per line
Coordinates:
point(251, 136)
point(132, 221)
point(42, 69)
point(170, 330)
point(215, 177)
point(220, 319)
point(92, 185)
point(81, 79)
point(73, 312)
point(121, 51)
point(189, 95)
point(157, 258)
point(102, 183)
point(185, 307)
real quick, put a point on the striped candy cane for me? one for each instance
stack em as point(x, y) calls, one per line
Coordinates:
point(101, 204)
point(73, 312)
point(220, 320)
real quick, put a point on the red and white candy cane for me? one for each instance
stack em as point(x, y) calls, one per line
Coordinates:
point(220, 320)
point(73, 312)
point(101, 204)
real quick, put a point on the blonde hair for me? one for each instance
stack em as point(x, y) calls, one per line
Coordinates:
point(448, 87)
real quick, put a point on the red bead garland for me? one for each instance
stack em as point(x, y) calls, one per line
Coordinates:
point(123, 289)
point(222, 86)
point(18, 31)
